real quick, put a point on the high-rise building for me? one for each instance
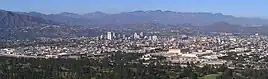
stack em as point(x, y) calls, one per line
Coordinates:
point(141, 34)
point(109, 35)
point(124, 37)
point(136, 36)
point(114, 36)
point(101, 37)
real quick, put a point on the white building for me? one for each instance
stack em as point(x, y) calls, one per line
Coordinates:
point(136, 36)
point(174, 51)
point(114, 35)
point(154, 37)
point(101, 37)
point(109, 35)
point(141, 34)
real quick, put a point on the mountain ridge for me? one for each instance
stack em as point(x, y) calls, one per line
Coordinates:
point(19, 26)
point(155, 16)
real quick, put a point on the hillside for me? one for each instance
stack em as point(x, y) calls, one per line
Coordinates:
point(153, 16)
point(19, 26)
point(231, 28)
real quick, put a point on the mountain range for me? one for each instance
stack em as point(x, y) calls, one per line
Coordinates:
point(18, 26)
point(23, 25)
point(153, 16)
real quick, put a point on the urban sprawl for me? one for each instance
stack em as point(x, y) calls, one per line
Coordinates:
point(235, 51)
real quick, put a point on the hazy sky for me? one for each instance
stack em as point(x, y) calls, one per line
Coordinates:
point(248, 8)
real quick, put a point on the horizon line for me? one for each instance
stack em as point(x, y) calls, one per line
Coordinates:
point(261, 17)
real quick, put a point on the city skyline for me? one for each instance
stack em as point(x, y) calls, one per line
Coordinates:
point(245, 8)
point(133, 39)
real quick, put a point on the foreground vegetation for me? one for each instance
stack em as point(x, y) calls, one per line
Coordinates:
point(117, 66)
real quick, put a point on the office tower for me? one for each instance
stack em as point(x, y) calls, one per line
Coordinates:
point(136, 36)
point(141, 34)
point(114, 36)
point(101, 37)
point(124, 37)
point(109, 35)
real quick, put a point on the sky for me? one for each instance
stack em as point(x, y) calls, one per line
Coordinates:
point(243, 8)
